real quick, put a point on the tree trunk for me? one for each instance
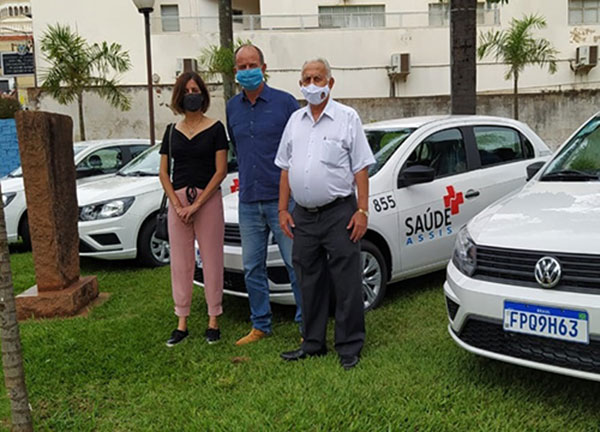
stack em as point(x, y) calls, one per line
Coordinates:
point(12, 357)
point(81, 124)
point(516, 96)
point(463, 41)
point(226, 37)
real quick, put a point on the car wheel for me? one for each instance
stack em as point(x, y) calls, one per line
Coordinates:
point(151, 251)
point(374, 275)
point(24, 232)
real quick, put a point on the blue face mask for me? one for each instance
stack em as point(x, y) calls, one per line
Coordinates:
point(250, 79)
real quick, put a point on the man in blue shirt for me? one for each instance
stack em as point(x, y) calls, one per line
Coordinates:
point(256, 118)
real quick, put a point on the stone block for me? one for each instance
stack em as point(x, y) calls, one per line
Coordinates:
point(65, 302)
point(46, 149)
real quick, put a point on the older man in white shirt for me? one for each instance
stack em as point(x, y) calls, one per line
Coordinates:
point(324, 155)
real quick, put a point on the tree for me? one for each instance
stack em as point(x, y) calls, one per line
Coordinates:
point(517, 47)
point(77, 66)
point(12, 356)
point(226, 39)
point(217, 60)
point(463, 42)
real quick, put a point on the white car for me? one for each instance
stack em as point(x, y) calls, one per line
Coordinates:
point(524, 279)
point(432, 175)
point(117, 214)
point(92, 159)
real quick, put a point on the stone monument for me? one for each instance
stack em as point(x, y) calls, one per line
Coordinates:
point(46, 148)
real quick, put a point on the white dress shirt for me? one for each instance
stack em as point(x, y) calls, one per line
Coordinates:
point(322, 157)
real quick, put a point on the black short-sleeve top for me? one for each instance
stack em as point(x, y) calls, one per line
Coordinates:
point(194, 159)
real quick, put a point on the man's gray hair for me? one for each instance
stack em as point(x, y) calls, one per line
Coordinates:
point(321, 60)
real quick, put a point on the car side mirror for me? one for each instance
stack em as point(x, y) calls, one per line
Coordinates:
point(533, 169)
point(416, 174)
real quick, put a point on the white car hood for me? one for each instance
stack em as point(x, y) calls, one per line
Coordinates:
point(230, 208)
point(12, 184)
point(543, 216)
point(115, 186)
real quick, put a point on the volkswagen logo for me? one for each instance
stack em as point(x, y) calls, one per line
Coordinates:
point(548, 272)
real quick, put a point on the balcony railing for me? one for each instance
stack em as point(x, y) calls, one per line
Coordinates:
point(358, 21)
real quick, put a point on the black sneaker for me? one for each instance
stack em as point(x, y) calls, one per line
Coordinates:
point(176, 337)
point(212, 335)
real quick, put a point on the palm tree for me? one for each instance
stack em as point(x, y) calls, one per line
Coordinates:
point(77, 66)
point(12, 357)
point(517, 47)
point(226, 38)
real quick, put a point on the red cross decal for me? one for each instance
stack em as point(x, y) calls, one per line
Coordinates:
point(453, 200)
point(236, 185)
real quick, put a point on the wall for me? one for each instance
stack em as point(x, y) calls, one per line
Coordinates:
point(552, 115)
point(9, 147)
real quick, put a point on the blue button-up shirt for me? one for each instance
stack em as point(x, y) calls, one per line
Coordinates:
point(255, 132)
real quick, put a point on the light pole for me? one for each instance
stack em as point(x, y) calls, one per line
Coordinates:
point(146, 7)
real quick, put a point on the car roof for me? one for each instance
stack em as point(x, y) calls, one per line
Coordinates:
point(417, 122)
point(107, 142)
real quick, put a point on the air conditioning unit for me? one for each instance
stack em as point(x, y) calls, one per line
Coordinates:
point(186, 65)
point(400, 65)
point(586, 57)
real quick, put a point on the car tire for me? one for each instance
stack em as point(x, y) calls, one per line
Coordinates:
point(24, 232)
point(152, 252)
point(374, 275)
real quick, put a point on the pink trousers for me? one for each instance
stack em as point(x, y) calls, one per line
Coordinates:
point(207, 227)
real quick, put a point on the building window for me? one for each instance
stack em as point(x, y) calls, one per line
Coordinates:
point(439, 14)
point(237, 16)
point(584, 11)
point(351, 16)
point(10, 11)
point(170, 18)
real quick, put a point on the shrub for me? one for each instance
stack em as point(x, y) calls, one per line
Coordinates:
point(8, 108)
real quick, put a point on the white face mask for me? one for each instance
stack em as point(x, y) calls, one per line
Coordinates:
point(314, 94)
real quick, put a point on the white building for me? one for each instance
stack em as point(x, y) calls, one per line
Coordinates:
point(358, 37)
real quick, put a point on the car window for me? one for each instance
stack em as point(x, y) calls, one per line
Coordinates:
point(232, 164)
point(498, 145)
point(147, 164)
point(384, 143)
point(581, 154)
point(443, 151)
point(136, 150)
point(103, 161)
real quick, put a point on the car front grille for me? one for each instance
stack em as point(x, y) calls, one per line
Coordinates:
point(491, 337)
point(232, 234)
point(580, 273)
point(232, 281)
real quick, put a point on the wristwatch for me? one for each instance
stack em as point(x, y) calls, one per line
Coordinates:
point(365, 212)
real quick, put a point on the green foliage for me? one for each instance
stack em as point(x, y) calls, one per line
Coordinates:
point(76, 66)
point(111, 371)
point(517, 47)
point(216, 60)
point(8, 107)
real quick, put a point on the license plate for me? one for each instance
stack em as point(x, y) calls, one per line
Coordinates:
point(564, 324)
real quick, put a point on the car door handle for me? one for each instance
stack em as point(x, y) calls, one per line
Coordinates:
point(471, 193)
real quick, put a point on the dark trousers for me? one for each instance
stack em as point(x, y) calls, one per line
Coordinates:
point(326, 259)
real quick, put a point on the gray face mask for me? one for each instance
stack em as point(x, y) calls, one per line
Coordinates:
point(193, 102)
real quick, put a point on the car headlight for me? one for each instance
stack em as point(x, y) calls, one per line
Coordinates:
point(8, 197)
point(465, 253)
point(105, 209)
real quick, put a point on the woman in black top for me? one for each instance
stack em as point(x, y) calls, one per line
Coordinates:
point(198, 147)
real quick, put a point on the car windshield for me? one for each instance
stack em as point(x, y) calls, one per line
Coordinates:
point(384, 143)
point(19, 172)
point(146, 164)
point(579, 160)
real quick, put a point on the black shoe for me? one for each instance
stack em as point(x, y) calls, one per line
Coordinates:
point(300, 354)
point(176, 337)
point(212, 335)
point(348, 362)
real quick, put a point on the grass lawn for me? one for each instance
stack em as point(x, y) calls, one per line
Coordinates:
point(111, 371)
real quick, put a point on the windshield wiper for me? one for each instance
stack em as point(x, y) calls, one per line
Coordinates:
point(569, 175)
point(139, 174)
